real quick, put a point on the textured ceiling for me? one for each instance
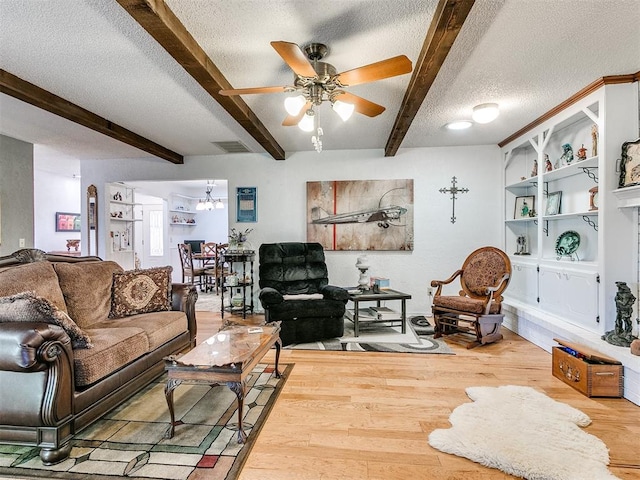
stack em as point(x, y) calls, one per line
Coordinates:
point(526, 55)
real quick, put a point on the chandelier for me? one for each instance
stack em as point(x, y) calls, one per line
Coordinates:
point(208, 203)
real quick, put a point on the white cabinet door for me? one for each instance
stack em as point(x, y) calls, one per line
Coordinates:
point(524, 283)
point(571, 294)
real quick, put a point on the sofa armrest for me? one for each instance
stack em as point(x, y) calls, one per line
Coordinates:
point(36, 361)
point(183, 299)
point(331, 292)
point(270, 296)
point(31, 346)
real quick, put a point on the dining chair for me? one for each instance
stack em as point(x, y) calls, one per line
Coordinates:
point(221, 269)
point(189, 270)
point(207, 260)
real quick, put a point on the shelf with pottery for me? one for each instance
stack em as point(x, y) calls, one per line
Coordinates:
point(122, 213)
point(182, 210)
point(564, 284)
point(239, 283)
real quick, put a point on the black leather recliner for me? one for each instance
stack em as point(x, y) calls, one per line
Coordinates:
point(294, 269)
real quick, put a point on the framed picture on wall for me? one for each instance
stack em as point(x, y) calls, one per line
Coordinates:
point(630, 164)
point(246, 204)
point(553, 203)
point(524, 207)
point(67, 222)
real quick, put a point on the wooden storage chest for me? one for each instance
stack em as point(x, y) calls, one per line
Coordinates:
point(589, 372)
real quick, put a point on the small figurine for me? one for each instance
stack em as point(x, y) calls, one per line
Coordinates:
point(594, 140)
point(582, 153)
point(547, 164)
point(622, 335)
point(567, 155)
point(534, 172)
point(521, 245)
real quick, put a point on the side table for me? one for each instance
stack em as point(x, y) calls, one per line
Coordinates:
point(379, 297)
point(244, 260)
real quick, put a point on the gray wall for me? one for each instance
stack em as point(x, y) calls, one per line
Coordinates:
point(16, 194)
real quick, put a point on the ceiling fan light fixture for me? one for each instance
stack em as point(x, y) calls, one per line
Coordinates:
point(485, 112)
point(307, 123)
point(345, 110)
point(293, 105)
point(459, 125)
point(207, 203)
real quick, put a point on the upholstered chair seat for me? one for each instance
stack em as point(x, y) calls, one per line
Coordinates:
point(465, 304)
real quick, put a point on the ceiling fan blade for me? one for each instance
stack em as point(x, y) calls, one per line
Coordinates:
point(292, 120)
point(295, 58)
point(248, 91)
point(390, 67)
point(362, 105)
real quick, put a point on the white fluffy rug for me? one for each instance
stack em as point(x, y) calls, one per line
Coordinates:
point(524, 433)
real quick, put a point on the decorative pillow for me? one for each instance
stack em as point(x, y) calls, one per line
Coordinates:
point(86, 287)
point(28, 307)
point(140, 291)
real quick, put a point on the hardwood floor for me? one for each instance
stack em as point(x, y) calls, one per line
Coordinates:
point(357, 416)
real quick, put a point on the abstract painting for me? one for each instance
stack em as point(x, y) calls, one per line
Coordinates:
point(361, 214)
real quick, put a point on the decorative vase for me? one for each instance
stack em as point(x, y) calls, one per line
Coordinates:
point(237, 300)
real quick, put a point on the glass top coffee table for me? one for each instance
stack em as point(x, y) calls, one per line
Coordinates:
point(378, 297)
point(227, 357)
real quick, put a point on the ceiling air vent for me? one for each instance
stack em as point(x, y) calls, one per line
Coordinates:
point(232, 147)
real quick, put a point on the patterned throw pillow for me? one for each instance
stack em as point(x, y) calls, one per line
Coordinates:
point(140, 291)
point(28, 307)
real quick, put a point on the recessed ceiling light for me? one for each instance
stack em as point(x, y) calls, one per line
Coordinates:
point(459, 125)
point(485, 113)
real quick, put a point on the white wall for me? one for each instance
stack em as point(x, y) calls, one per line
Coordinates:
point(440, 246)
point(53, 192)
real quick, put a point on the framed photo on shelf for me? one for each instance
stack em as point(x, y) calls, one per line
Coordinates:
point(630, 164)
point(553, 203)
point(525, 206)
point(67, 222)
point(246, 204)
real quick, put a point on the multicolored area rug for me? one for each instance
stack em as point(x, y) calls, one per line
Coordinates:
point(380, 337)
point(129, 442)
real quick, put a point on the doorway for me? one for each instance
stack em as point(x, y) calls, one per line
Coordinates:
point(151, 237)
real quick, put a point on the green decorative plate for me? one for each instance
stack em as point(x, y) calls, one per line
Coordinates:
point(567, 243)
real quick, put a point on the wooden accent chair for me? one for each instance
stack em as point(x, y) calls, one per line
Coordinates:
point(476, 310)
point(189, 270)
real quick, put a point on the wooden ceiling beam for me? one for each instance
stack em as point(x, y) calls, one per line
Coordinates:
point(447, 22)
point(163, 25)
point(30, 93)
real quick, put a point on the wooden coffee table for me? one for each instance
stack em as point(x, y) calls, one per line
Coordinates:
point(378, 297)
point(227, 357)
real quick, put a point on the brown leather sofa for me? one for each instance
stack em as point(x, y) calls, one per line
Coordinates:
point(49, 389)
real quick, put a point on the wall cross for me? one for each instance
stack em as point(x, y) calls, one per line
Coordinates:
point(453, 191)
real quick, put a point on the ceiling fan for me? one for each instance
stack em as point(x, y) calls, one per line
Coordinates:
point(317, 81)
